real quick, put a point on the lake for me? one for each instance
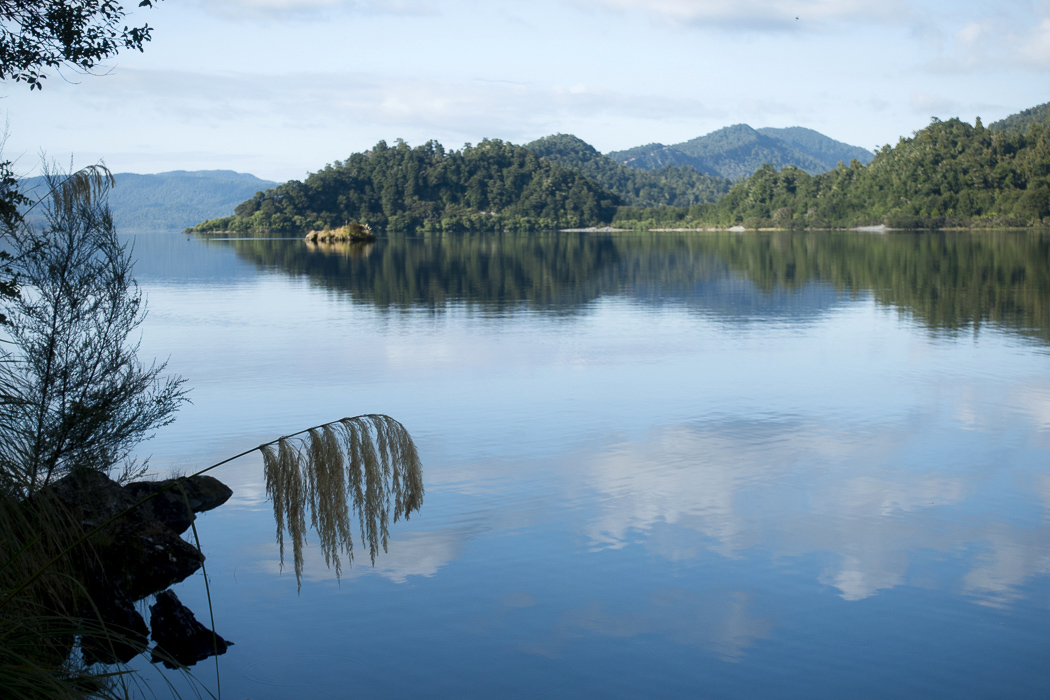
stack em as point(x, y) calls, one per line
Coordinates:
point(680, 465)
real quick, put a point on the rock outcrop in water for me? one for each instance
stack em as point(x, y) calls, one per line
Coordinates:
point(137, 555)
point(353, 232)
point(181, 639)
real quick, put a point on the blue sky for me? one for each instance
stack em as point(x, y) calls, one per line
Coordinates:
point(279, 88)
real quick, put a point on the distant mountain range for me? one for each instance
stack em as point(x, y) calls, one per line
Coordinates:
point(173, 200)
point(737, 151)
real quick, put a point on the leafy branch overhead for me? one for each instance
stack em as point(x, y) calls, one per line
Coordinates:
point(37, 35)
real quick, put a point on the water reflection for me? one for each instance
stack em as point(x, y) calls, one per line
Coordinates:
point(662, 466)
point(871, 498)
point(950, 281)
point(724, 623)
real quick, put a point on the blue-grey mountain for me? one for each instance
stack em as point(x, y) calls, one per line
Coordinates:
point(737, 151)
point(173, 200)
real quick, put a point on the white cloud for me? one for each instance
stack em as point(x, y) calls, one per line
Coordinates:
point(298, 102)
point(926, 103)
point(766, 14)
point(314, 9)
point(1035, 49)
point(1011, 557)
point(1018, 38)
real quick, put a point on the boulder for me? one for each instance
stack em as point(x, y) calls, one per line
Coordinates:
point(181, 639)
point(168, 504)
point(137, 551)
point(135, 556)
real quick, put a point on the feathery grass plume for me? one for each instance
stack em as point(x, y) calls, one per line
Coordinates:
point(82, 188)
point(366, 464)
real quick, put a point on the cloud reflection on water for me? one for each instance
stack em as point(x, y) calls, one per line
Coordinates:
point(869, 496)
point(724, 623)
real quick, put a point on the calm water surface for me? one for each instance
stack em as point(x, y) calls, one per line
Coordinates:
point(668, 466)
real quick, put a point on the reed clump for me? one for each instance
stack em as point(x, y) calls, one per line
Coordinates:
point(46, 609)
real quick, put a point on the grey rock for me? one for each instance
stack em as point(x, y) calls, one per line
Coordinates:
point(181, 639)
point(201, 493)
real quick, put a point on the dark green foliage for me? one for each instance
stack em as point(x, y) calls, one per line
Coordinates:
point(12, 201)
point(494, 186)
point(173, 200)
point(950, 174)
point(1020, 123)
point(36, 35)
point(738, 151)
point(671, 185)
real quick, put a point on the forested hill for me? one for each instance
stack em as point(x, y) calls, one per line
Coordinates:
point(493, 186)
point(672, 185)
point(739, 150)
point(825, 150)
point(173, 200)
point(949, 174)
point(1021, 122)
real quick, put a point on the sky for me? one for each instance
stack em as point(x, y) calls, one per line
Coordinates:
point(280, 88)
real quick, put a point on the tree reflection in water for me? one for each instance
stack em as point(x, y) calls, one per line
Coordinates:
point(366, 465)
point(949, 281)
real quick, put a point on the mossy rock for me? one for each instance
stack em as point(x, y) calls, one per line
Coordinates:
point(353, 232)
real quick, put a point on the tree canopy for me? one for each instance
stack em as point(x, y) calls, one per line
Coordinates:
point(493, 186)
point(671, 185)
point(38, 35)
point(949, 174)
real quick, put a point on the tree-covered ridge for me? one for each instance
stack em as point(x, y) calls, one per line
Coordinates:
point(1021, 122)
point(668, 186)
point(493, 186)
point(948, 174)
point(653, 156)
point(737, 151)
point(825, 150)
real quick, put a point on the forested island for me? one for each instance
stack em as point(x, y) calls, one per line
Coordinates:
point(494, 186)
point(950, 174)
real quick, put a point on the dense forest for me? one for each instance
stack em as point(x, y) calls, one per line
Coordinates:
point(671, 185)
point(1022, 121)
point(950, 174)
point(494, 186)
